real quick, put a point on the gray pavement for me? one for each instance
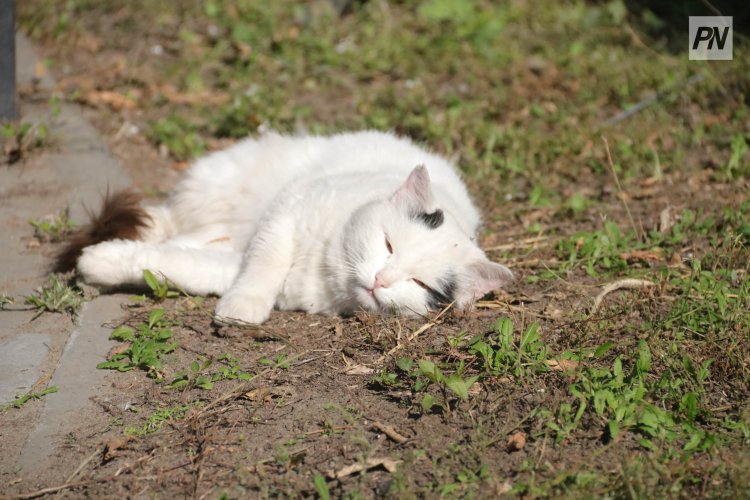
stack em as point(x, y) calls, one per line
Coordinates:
point(52, 350)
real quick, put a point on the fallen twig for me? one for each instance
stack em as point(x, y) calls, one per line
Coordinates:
point(628, 283)
point(390, 432)
point(83, 464)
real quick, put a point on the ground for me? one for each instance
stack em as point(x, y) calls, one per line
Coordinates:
point(599, 155)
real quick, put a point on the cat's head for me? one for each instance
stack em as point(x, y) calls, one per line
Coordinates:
point(408, 255)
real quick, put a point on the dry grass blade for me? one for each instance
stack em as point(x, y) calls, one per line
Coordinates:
point(619, 187)
point(534, 241)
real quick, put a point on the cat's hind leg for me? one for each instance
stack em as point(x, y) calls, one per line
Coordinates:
point(194, 270)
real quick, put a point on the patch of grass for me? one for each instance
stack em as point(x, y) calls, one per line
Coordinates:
point(503, 355)
point(277, 362)
point(19, 138)
point(178, 136)
point(57, 296)
point(5, 300)
point(596, 250)
point(448, 384)
point(622, 400)
point(25, 398)
point(144, 346)
point(193, 378)
point(157, 420)
point(738, 164)
point(54, 227)
point(200, 377)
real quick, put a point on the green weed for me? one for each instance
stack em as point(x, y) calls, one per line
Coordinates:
point(159, 289)
point(22, 400)
point(56, 296)
point(5, 300)
point(195, 377)
point(53, 228)
point(199, 376)
point(321, 487)
point(157, 420)
point(277, 363)
point(738, 164)
point(596, 250)
point(20, 138)
point(447, 384)
point(503, 355)
point(627, 400)
point(147, 345)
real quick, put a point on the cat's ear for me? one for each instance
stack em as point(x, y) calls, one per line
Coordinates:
point(415, 194)
point(486, 276)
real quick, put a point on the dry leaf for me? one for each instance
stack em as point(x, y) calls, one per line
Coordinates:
point(256, 394)
point(552, 312)
point(110, 98)
point(562, 365)
point(653, 255)
point(387, 463)
point(666, 220)
point(267, 394)
point(676, 260)
point(40, 69)
point(503, 488)
point(358, 370)
point(516, 441)
point(111, 446)
point(89, 42)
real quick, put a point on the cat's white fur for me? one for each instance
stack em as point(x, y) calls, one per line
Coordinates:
point(320, 224)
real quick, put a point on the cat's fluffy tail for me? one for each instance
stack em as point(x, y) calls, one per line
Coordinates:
point(121, 217)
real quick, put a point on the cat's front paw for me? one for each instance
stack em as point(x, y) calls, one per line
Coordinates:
point(234, 308)
point(109, 263)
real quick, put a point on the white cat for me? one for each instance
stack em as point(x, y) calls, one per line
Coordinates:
point(330, 225)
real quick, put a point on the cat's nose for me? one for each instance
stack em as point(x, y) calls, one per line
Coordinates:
point(380, 282)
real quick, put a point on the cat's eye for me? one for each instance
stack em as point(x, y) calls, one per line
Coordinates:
point(388, 245)
point(423, 285)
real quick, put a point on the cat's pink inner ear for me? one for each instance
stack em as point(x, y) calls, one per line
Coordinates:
point(415, 193)
point(488, 276)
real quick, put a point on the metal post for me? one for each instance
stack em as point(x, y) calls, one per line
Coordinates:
point(7, 59)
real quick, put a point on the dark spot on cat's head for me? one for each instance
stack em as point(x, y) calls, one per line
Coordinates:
point(433, 220)
point(443, 294)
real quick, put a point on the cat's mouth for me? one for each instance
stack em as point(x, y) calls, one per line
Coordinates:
point(369, 298)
